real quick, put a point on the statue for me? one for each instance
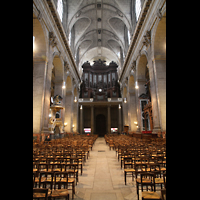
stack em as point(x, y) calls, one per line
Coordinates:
point(57, 100)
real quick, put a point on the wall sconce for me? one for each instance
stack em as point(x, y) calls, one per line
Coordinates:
point(81, 107)
point(136, 123)
point(119, 106)
point(75, 99)
point(63, 87)
point(125, 100)
point(65, 124)
point(136, 85)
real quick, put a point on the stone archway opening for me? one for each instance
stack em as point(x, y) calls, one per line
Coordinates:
point(101, 125)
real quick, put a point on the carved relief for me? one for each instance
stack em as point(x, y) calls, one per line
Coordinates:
point(52, 39)
point(147, 38)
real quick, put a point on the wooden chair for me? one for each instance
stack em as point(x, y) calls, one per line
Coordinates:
point(46, 178)
point(149, 195)
point(60, 179)
point(128, 168)
point(40, 193)
point(35, 179)
point(72, 168)
point(155, 169)
point(42, 167)
point(72, 173)
point(139, 169)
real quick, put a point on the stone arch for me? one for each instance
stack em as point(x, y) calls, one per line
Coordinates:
point(159, 42)
point(40, 47)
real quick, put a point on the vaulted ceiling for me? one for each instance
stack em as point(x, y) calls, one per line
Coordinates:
point(99, 29)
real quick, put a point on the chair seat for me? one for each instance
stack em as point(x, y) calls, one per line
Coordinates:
point(41, 195)
point(129, 170)
point(59, 193)
point(163, 169)
point(70, 180)
point(150, 195)
point(71, 170)
point(159, 180)
point(38, 195)
point(144, 180)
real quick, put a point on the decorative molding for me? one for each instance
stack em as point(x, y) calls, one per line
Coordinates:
point(159, 13)
point(52, 39)
point(147, 38)
point(39, 15)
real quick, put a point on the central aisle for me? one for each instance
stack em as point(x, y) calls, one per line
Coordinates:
point(103, 178)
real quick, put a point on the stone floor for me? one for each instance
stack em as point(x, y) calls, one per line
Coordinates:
point(103, 178)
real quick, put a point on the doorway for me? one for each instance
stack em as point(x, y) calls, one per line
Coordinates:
point(101, 125)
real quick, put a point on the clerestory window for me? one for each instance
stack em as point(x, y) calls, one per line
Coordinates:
point(60, 9)
point(137, 8)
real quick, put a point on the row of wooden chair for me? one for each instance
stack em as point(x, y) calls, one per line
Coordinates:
point(143, 160)
point(57, 163)
point(53, 184)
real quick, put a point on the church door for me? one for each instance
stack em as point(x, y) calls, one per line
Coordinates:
point(100, 125)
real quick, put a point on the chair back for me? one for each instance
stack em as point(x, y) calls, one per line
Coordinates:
point(61, 179)
point(148, 180)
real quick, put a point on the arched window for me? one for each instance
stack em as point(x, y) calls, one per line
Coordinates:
point(137, 8)
point(70, 38)
point(60, 9)
point(129, 37)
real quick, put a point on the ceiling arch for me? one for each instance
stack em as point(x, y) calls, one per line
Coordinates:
point(95, 54)
point(98, 29)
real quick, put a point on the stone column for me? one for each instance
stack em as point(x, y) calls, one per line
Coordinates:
point(81, 120)
point(120, 119)
point(125, 113)
point(161, 90)
point(132, 111)
point(109, 120)
point(39, 76)
point(75, 116)
point(154, 98)
point(47, 95)
point(68, 111)
point(92, 119)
